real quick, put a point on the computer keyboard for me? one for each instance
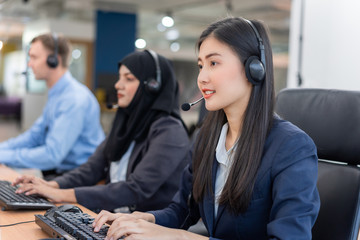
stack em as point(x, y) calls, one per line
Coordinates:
point(70, 225)
point(9, 200)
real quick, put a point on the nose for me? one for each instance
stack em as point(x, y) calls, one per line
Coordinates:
point(118, 84)
point(203, 77)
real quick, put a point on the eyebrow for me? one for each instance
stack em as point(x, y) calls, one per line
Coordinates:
point(210, 55)
point(127, 74)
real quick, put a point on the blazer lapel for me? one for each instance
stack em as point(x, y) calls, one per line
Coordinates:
point(220, 207)
point(219, 213)
point(209, 201)
point(134, 155)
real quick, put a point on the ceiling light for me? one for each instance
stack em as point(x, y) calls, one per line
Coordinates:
point(175, 46)
point(172, 34)
point(167, 21)
point(161, 28)
point(140, 43)
point(76, 54)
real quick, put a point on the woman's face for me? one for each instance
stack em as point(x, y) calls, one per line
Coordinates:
point(126, 86)
point(222, 78)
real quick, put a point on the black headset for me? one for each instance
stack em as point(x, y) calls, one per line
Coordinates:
point(153, 85)
point(255, 68)
point(52, 60)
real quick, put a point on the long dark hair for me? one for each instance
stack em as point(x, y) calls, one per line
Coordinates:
point(236, 195)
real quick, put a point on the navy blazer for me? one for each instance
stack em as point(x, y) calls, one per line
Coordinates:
point(285, 200)
point(153, 173)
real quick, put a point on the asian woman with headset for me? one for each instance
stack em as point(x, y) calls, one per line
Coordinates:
point(253, 174)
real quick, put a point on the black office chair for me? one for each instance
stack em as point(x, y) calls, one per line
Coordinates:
point(332, 119)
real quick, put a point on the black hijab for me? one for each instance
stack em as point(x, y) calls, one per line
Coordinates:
point(133, 122)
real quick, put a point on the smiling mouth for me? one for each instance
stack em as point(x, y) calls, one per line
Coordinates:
point(208, 93)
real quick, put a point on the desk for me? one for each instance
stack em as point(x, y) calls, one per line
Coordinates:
point(27, 231)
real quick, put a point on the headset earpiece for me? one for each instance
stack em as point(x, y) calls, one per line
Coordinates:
point(254, 70)
point(52, 60)
point(255, 67)
point(153, 85)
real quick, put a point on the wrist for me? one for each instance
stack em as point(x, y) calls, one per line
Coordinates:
point(183, 234)
point(150, 217)
point(53, 184)
point(67, 195)
point(186, 235)
point(145, 216)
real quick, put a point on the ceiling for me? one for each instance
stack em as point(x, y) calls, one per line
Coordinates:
point(190, 16)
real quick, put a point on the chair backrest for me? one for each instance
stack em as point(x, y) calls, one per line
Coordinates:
point(332, 119)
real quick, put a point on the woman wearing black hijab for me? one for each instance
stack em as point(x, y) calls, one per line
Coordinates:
point(142, 158)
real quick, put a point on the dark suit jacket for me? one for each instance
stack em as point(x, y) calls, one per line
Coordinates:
point(285, 200)
point(152, 178)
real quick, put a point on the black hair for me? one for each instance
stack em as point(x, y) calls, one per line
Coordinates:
point(237, 33)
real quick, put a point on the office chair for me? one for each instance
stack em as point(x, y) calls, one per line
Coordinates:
point(332, 119)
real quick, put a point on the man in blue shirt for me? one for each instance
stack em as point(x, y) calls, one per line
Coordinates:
point(69, 129)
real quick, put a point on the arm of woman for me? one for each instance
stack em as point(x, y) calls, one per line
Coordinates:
point(295, 197)
point(88, 174)
point(49, 189)
point(53, 194)
point(173, 216)
point(165, 153)
point(108, 217)
point(142, 229)
point(183, 211)
point(139, 225)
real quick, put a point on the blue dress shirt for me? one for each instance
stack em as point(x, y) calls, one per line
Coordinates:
point(64, 136)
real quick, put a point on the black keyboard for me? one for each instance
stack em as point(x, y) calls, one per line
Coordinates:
point(9, 200)
point(70, 225)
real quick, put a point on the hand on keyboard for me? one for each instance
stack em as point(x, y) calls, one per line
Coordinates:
point(30, 185)
point(114, 219)
point(32, 179)
point(142, 229)
point(70, 225)
point(108, 217)
point(9, 200)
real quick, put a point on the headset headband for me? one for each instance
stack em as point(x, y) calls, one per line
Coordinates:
point(260, 41)
point(54, 35)
point(157, 65)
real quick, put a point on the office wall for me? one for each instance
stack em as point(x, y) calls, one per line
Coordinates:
point(115, 38)
point(329, 54)
point(14, 80)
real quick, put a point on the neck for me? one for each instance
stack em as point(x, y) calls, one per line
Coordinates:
point(235, 117)
point(55, 75)
point(235, 126)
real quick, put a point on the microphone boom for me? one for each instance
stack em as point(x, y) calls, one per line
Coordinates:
point(187, 106)
point(111, 106)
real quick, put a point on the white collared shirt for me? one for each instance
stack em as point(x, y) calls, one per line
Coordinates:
point(224, 159)
point(118, 169)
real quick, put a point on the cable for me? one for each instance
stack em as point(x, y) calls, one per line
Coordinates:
point(9, 225)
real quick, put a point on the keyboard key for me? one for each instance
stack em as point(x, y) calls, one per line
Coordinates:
point(78, 225)
point(9, 200)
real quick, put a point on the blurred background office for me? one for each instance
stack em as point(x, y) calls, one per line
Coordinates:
point(314, 45)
